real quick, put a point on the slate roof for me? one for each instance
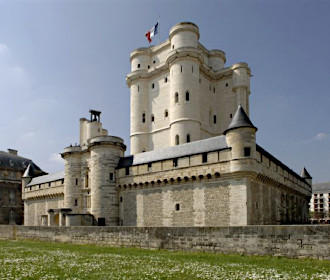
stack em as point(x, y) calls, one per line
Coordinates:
point(33, 171)
point(305, 174)
point(47, 178)
point(321, 187)
point(207, 145)
point(240, 119)
point(16, 162)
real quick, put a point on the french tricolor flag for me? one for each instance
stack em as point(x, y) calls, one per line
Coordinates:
point(152, 32)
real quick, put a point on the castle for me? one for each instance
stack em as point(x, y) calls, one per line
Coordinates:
point(194, 158)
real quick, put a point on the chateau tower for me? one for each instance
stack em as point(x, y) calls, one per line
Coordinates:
point(181, 92)
point(89, 184)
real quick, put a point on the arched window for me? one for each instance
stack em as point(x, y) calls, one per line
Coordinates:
point(187, 96)
point(165, 114)
point(176, 98)
point(152, 118)
point(144, 117)
point(177, 140)
point(188, 138)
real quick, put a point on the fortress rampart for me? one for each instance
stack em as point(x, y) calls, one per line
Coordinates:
point(308, 241)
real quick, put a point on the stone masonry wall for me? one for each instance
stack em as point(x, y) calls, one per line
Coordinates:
point(311, 241)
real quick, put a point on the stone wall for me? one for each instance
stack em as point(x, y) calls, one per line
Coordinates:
point(291, 241)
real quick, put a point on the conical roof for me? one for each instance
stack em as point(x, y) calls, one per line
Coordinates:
point(33, 171)
point(304, 174)
point(240, 119)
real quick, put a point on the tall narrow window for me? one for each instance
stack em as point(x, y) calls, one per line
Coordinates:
point(231, 116)
point(214, 119)
point(175, 162)
point(86, 181)
point(165, 114)
point(213, 89)
point(144, 117)
point(138, 66)
point(126, 170)
point(177, 140)
point(76, 202)
point(76, 181)
point(192, 69)
point(176, 98)
point(152, 118)
point(165, 80)
point(188, 138)
point(187, 95)
point(181, 68)
point(111, 176)
point(152, 85)
point(138, 88)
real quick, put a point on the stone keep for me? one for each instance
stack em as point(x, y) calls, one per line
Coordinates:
point(194, 158)
point(182, 92)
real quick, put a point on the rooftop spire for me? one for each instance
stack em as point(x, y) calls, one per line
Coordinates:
point(304, 174)
point(240, 119)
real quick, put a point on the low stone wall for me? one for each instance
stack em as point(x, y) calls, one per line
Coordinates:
point(292, 241)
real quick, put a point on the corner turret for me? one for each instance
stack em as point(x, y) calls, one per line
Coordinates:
point(241, 136)
point(304, 174)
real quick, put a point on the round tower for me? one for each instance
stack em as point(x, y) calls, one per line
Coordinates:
point(241, 85)
point(184, 63)
point(140, 111)
point(105, 154)
point(72, 179)
point(241, 138)
point(184, 34)
point(217, 59)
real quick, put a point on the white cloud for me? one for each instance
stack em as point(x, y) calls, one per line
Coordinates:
point(321, 136)
point(55, 157)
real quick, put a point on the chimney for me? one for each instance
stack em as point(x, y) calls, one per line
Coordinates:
point(12, 152)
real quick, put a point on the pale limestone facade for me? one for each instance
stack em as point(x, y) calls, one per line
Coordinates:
point(182, 92)
point(221, 178)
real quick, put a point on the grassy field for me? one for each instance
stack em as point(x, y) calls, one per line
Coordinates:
point(42, 260)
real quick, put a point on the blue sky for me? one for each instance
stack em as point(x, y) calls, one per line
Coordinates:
point(58, 59)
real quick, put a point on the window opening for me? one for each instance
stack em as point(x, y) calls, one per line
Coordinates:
point(177, 207)
point(177, 140)
point(214, 119)
point(176, 99)
point(175, 162)
point(187, 95)
point(144, 117)
point(188, 138)
point(247, 151)
point(126, 170)
point(204, 157)
point(166, 114)
point(152, 118)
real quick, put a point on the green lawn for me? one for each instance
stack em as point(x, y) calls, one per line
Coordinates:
point(43, 260)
